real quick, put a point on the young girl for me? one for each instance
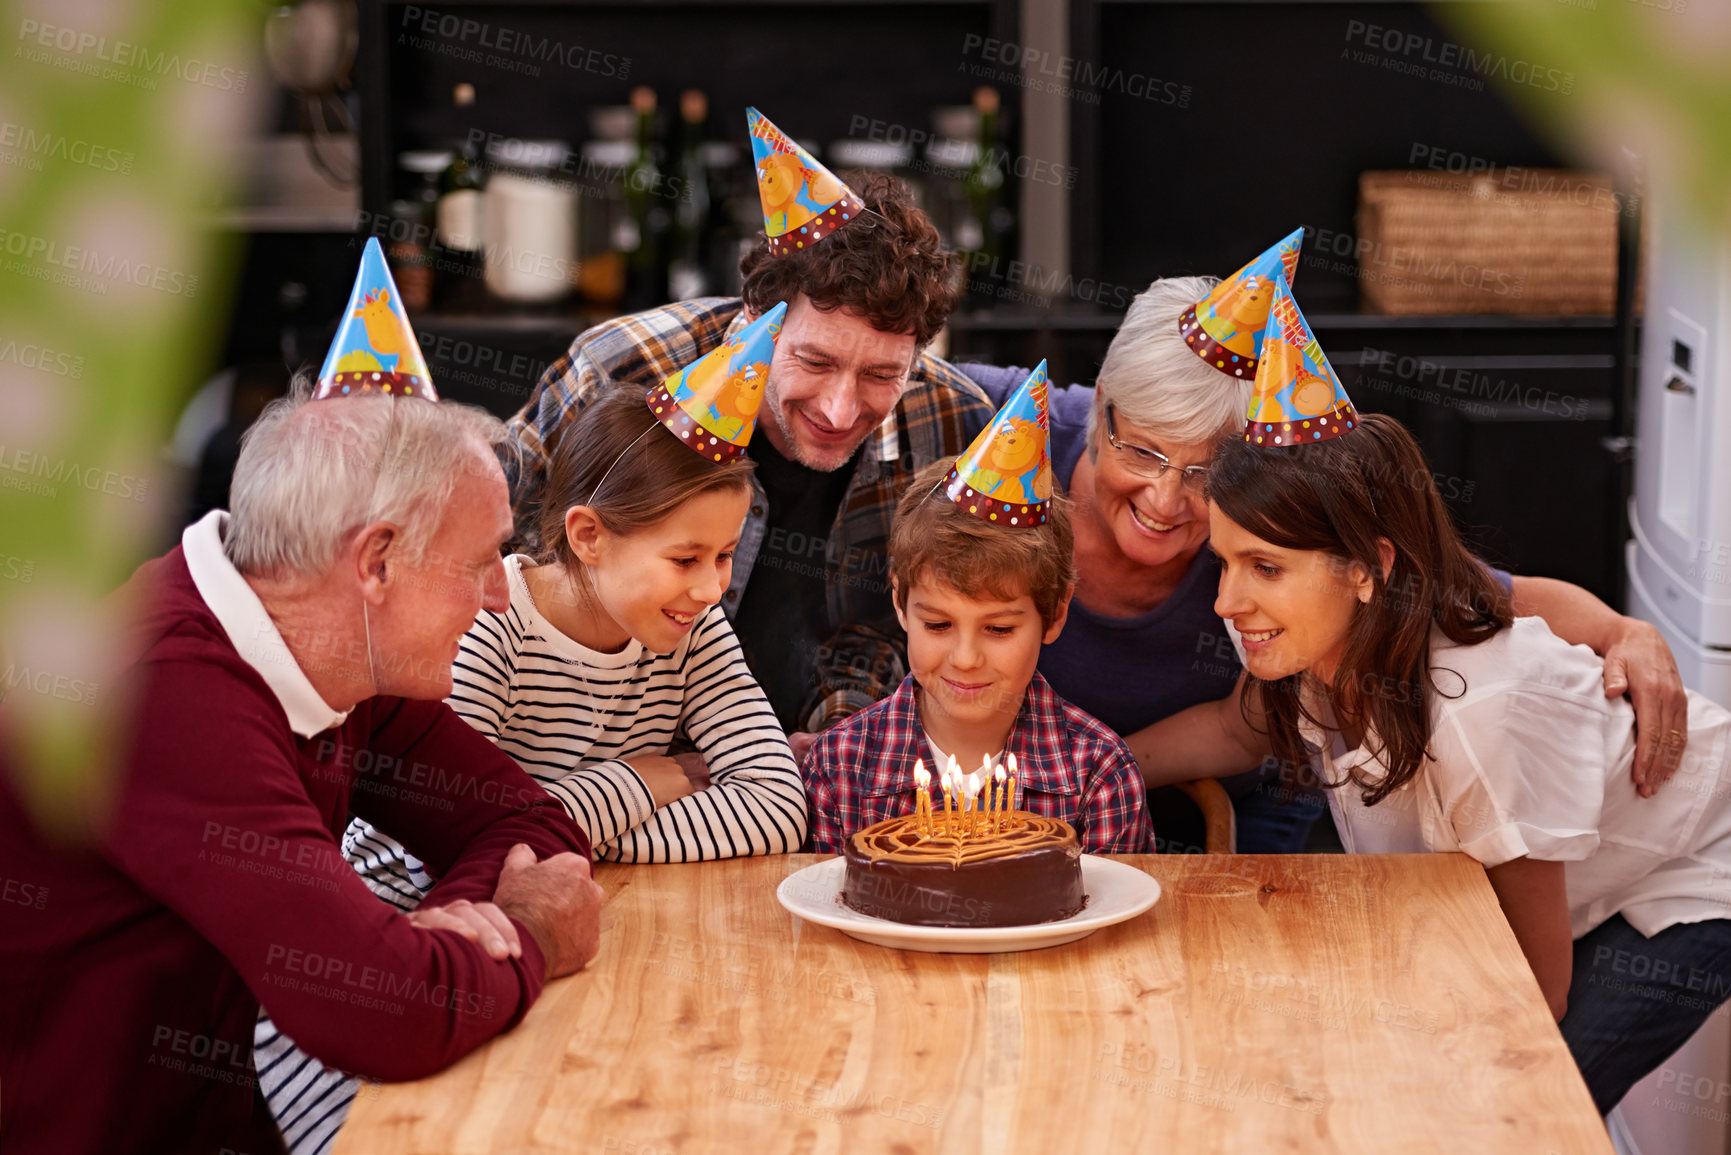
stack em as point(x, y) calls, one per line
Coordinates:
point(1375, 644)
point(615, 649)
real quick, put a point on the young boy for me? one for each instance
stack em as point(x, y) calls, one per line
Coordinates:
point(978, 598)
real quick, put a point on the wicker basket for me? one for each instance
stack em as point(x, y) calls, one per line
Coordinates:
point(1539, 241)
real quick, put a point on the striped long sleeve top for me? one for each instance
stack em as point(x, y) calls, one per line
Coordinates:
point(574, 718)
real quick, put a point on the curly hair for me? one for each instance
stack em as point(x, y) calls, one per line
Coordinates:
point(892, 268)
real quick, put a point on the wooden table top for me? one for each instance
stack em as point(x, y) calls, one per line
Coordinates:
point(1353, 1003)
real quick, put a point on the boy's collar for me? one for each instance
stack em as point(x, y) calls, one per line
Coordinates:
point(1037, 741)
point(1036, 737)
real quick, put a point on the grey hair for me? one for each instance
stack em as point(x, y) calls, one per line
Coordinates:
point(1154, 380)
point(311, 473)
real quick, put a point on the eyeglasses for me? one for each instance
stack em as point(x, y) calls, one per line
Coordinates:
point(1151, 463)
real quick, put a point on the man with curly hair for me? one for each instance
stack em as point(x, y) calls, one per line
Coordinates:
point(855, 406)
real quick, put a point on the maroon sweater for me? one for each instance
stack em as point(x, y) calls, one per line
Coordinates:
point(131, 971)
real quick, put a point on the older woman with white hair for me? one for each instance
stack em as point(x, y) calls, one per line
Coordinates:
point(1143, 641)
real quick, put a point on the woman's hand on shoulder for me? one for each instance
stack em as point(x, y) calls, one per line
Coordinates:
point(1639, 663)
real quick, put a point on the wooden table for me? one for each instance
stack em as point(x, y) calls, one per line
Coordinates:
point(1267, 1003)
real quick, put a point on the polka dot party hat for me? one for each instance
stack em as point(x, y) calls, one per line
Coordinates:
point(1005, 477)
point(1225, 327)
point(803, 202)
point(712, 403)
point(1297, 398)
point(375, 350)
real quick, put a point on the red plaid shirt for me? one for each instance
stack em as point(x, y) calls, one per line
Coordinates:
point(1072, 766)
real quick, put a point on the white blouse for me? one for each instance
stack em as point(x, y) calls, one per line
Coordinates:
point(1528, 757)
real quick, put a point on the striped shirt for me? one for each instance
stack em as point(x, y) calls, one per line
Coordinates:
point(574, 718)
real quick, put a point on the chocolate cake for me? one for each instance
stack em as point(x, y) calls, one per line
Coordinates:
point(915, 870)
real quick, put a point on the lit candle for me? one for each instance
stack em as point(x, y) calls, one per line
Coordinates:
point(955, 771)
point(922, 796)
point(972, 784)
point(998, 794)
point(1010, 794)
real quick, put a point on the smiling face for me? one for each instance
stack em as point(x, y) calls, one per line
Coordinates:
point(1294, 608)
point(972, 656)
point(652, 585)
point(833, 380)
point(433, 599)
point(1153, 523)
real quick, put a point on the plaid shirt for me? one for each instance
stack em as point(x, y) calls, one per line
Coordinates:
point(939, 414)
point(1071, 767)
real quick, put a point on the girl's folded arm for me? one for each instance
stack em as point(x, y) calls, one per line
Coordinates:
point(608, 799)
point(1209, 740)
point(755, 803)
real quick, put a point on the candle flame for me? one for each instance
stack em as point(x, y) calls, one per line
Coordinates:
point(998, 774)
point(1010, 760)
point(922, 777)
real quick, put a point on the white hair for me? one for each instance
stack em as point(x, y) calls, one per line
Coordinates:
point(1154, 380)
point(311, 473)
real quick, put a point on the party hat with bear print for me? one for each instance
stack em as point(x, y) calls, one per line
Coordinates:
point(712, 403)
point(375, 350)
point(1005, 477)
point(803, 202)
point(1297, 397)
point(1225, 327)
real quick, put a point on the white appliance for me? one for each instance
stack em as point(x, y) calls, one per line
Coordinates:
point(1680, 558)
point(1679, 568)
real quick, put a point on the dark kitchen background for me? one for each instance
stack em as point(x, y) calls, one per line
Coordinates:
point(1166, 138)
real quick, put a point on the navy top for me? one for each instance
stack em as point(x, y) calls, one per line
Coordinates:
point(1131, 672)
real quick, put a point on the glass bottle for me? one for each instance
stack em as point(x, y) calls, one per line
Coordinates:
point(687, 275)
point(459, 219)
point(646, 196)
point(410, 247)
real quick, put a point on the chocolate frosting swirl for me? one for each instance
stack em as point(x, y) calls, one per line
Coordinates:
point(903, 839)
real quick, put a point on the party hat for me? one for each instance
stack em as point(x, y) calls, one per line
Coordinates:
point(803, 202)
point(1297, 398)
point(712, 403)
point(1006, 474)
point(375, 348)
point(1225, 327)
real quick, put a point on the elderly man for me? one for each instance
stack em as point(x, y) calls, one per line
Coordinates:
point(286, 670)
point(855, 407)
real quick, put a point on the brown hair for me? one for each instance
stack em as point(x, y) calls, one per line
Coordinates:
point(891, 268)
point(1342, 496)
point(648, 472)
point(933, 537)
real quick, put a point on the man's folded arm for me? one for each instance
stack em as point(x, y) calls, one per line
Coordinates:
point(215, 823)
point(454, 800)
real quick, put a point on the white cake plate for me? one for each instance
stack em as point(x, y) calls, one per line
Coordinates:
point(1117, 892)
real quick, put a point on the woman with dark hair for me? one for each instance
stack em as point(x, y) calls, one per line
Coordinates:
point(1377, 647)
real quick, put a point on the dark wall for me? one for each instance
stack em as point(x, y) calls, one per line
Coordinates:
point(1285, 111)
point(811, 68)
